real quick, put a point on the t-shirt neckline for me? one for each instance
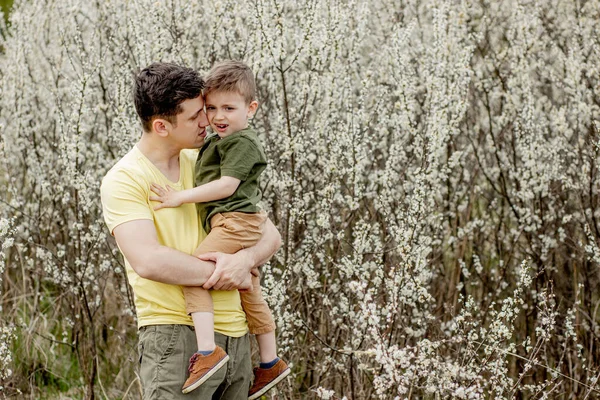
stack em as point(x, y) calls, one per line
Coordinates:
point(158, 171)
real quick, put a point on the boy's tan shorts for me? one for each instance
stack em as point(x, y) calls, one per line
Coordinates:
point(231, 232)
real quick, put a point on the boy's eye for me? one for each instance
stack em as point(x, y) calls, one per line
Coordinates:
point(209, 108)
point(229, 108)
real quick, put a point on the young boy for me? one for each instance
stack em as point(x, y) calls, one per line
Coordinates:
point(227, 195)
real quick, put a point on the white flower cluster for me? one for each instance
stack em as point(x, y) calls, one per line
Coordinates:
point(7, 240)
point(419, 151)
point(7, 335)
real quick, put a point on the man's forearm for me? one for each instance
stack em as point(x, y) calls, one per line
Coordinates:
point(167, 265)
point(149, 259)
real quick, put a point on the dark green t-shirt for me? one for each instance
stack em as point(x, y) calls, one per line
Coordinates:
point(239, 155)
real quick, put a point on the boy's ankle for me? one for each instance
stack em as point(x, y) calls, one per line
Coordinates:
point(270, 364)
point(210, 347)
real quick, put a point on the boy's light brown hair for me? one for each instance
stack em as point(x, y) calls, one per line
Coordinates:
point(231, 76)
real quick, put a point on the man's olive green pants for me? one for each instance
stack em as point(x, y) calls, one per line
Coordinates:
point(165, 351)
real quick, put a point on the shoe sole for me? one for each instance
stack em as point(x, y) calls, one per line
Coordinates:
point(270, 385)
point(206, 376)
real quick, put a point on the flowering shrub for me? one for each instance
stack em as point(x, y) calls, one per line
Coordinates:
point(433, 172)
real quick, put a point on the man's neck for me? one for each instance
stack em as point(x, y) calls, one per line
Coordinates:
point(163, 156)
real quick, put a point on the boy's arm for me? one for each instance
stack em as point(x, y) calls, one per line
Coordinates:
point(231, 270)
point(149, 259)
point(215, 190)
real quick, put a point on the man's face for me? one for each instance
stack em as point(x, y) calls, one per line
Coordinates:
point(228, 112)
point(190, 125)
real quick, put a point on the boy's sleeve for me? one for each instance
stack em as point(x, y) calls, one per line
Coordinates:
point(123, 200)
point(239, 156)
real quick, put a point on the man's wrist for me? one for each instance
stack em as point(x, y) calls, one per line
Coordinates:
point(249, 256)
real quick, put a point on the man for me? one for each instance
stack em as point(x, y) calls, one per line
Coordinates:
point(157, 244)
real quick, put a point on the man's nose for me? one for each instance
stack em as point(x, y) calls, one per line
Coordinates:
point(203, 121)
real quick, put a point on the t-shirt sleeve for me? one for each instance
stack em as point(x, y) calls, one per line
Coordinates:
point(238, 157)
point(123, 199)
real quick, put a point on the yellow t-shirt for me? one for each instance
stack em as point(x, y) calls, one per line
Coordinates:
point(125, 191)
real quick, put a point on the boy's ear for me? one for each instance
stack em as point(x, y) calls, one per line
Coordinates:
point(161, 127)
point(252, 107)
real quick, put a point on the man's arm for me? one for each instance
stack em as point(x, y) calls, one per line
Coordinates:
point(149, 259)
point(232, 270)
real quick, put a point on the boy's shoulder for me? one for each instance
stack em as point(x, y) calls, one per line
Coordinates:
point(248, 133)
point(245, 135)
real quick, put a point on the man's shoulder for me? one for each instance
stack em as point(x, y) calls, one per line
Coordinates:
point(128, 166)
point(134, 164)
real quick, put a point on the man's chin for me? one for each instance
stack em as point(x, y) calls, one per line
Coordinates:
point(200, 140)
point(199, 143)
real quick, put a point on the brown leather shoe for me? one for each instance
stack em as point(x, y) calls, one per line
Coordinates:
point(265, 379)
point(203, 367)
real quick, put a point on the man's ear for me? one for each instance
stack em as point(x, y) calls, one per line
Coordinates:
point(161, 127)
point(252, 107)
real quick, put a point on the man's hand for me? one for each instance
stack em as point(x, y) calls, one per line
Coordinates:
point(168, 196)
point(232, 271)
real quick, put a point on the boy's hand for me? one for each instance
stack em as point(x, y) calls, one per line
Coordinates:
point(168, 196)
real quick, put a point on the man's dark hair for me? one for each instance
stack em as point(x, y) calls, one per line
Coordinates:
point(160, 88)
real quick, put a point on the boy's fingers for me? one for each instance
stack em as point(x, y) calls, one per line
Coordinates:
point(156, 188)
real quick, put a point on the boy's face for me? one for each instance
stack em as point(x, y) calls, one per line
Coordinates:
point(228, 112)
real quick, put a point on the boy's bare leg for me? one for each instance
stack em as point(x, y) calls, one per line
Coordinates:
point(204, 324)
point(209, 358)
point(271, 370)
point(267, 346)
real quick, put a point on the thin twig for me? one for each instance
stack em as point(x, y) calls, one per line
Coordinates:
point(591, 388)
point(137, 379)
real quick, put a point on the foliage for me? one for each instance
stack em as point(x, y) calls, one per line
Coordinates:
point(5, 6)
point(433, 171)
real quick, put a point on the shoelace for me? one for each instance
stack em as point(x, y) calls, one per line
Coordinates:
point(192, 362)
